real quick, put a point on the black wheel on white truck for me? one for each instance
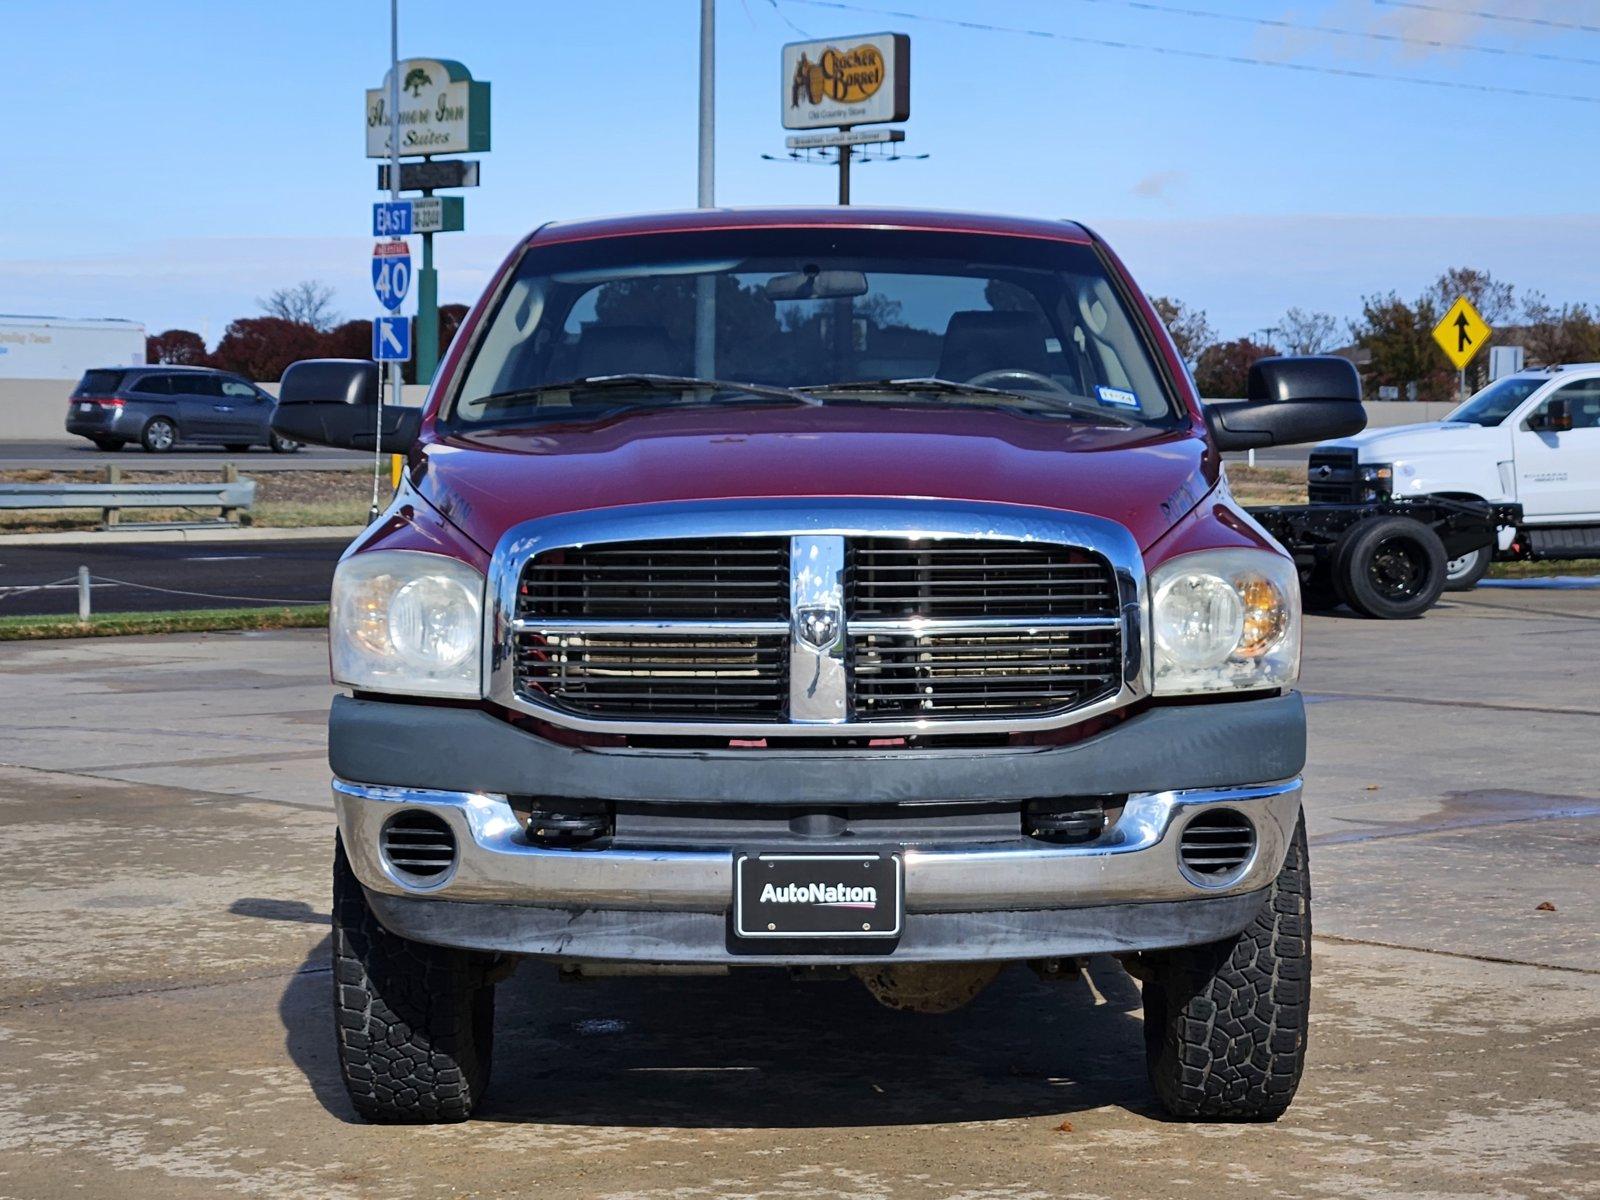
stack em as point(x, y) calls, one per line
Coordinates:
point(415, 1022)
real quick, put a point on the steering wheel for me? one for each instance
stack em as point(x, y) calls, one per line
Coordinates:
point(1010, 378)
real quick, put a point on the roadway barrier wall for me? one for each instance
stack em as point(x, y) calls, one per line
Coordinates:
point(36, 409)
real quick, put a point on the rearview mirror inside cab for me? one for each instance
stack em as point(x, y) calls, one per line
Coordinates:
point(334, 402)
point(812, 284)
point(1290, 400)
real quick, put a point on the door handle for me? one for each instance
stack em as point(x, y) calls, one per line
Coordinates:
point(222, 408)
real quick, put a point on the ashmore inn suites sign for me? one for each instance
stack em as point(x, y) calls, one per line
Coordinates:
point(443, 110)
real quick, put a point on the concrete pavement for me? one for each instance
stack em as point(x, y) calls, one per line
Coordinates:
point(164, 1025)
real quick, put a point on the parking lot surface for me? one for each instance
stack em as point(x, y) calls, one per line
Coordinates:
point(165, 1028)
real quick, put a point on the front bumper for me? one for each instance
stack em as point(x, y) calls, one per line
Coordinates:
point(1125, 891)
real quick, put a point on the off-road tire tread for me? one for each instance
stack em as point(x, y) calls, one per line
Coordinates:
point(414, 1022)
point(1225, 1023)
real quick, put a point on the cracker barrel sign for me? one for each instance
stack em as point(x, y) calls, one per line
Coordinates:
point(862, 80)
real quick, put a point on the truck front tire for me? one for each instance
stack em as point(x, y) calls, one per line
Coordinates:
point(1389, 568)
point(415, 1023)
point(1225, 1023)
point(1462, 574)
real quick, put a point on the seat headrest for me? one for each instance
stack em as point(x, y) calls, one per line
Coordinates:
point(978, 340)
point(625, 350)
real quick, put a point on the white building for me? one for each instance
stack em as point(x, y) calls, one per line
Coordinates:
point(62, 348)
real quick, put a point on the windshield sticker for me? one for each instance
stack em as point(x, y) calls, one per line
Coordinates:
point(1117, 397)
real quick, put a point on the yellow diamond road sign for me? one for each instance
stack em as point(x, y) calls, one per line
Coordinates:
point(1462, 333)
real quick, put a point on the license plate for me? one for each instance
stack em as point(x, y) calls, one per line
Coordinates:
point(86, 408)
point(816, 895)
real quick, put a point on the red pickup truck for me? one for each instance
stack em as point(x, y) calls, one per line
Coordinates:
point(844, 591)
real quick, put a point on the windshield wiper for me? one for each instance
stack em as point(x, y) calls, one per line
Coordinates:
point(932, 385)
point(644, 381)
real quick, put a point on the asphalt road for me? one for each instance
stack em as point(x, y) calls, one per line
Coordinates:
point(76, 454)
point(152, 577)
point(165, 1025)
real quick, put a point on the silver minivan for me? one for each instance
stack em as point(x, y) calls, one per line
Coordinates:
point(161, 406)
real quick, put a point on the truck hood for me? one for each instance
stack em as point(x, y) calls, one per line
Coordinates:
point(1412, 441)
point(487, 482)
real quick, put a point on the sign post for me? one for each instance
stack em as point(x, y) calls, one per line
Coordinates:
point(1461, 333)
point(427, 107)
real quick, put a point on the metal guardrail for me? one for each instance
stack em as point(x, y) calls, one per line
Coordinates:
point(228, 496)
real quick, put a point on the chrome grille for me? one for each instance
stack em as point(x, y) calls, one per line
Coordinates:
point(738, 577)
point(725, 677)
point(755, 633)
point(949, 578)
point(910, 675)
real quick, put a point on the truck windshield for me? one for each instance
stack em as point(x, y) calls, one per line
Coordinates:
point(1499, 400)
point(836, 316)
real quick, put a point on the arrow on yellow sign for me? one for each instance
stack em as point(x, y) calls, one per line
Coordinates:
point(1462, 333)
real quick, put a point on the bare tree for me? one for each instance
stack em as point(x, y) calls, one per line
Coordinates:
point(1189, 328)
point(1559, 334)
point(1303, 332)
point(1494, 300)
point(309, 302)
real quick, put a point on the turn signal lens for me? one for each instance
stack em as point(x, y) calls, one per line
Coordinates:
point(1266, 615)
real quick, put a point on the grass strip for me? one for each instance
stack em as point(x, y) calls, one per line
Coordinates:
point(199, 620)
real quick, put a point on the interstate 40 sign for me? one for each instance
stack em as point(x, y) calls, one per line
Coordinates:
point(391, 273)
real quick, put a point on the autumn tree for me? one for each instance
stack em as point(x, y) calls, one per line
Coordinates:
point(309, 302)
point(1399, 339)
point(260, 348)
point(1189, 328)
point(1303, 332)
point(1224, 367)
point(176, 348)
point(1494, 300)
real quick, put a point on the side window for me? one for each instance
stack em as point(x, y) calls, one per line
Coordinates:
point(1583, 400)
point(153, 385)
point(238, 389)
point(202, 385)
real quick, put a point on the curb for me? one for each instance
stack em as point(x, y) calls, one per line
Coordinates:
point(134, 537)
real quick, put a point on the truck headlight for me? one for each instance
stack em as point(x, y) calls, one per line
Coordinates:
point(1225, 620)
point(408, 622)
point(1377, 481)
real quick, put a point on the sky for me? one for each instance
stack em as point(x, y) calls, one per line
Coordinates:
point(170, 161)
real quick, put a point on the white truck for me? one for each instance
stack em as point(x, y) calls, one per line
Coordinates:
point(1531, 440)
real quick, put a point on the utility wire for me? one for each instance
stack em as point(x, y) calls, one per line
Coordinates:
point(150, 587)
point(1204, 55)
point(784, 17)
point(1543, 22)
point(1372, 35)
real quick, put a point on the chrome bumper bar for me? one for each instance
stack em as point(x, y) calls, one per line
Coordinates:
point(1135, 861)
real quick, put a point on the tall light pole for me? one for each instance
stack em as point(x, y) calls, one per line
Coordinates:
point(708, 104)
point(705, 294)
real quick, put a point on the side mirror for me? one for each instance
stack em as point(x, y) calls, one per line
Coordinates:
point(334, 402)
point(1554, 417)
point(1290, 400)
